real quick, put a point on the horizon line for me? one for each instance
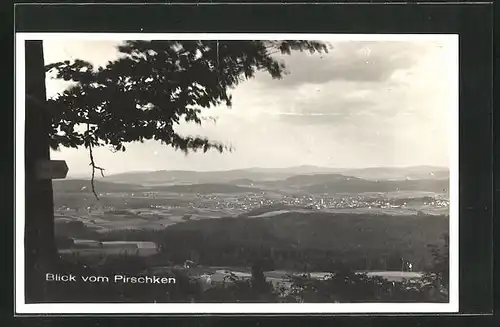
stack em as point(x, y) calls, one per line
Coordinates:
point(263, 168)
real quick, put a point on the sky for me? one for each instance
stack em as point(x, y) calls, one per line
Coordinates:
point(363, 104)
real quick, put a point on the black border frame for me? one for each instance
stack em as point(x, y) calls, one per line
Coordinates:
point(472, 21)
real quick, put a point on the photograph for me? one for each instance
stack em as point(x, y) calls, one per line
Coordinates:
point(233, 173)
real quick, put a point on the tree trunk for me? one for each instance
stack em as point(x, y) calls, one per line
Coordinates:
point(40, 249)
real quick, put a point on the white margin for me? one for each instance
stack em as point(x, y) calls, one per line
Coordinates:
point(454, 178)
point(19, 114)
point(234, 308)
point(232, 36)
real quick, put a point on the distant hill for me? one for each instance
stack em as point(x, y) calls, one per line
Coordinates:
point(400, 173)
point(193, 177)
point(242, 181)
point(304, 180)
point(272, 174)
point(297, 170)
point(316, 184)
point(84, 186)
point(360, 186)
point(337, 183)
point(206, 188)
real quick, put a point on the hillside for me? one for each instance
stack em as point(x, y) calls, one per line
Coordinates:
point(206, 188)
point(359, 235)
point(315, 184)
point(337, 183)
point(400, 173)
point(84, 186)
point(242, 182)
point(193, 177)
point(306, 180)
point(269, 174)
point(361, 185)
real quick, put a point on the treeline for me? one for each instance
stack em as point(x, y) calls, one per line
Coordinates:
point(175, 247)
point(311, 244)
point(195, 246)
point(341, 286)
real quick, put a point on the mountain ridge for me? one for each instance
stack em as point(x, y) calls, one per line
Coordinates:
point(312, 183)
point(256, 174)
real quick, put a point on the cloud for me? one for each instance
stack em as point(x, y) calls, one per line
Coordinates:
point(96, 52)
point(330, 111)
point(349, 61)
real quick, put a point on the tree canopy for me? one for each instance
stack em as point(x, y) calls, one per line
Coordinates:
point(154, 85)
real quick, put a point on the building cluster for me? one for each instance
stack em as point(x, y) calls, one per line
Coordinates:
point(253, 201)
point(247, 202)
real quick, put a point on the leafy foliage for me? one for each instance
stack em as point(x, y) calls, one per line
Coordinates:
point(152, 87)
point(155, 85)
point(340, 286)
point(441, 266)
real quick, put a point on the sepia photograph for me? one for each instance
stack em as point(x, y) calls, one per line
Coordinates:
point(236, 173)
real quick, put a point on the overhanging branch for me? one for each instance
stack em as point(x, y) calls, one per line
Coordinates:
point(94, 166)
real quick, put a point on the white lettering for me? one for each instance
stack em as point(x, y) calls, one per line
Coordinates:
point(95, 279)
point(143, 279)
point(50, 277)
